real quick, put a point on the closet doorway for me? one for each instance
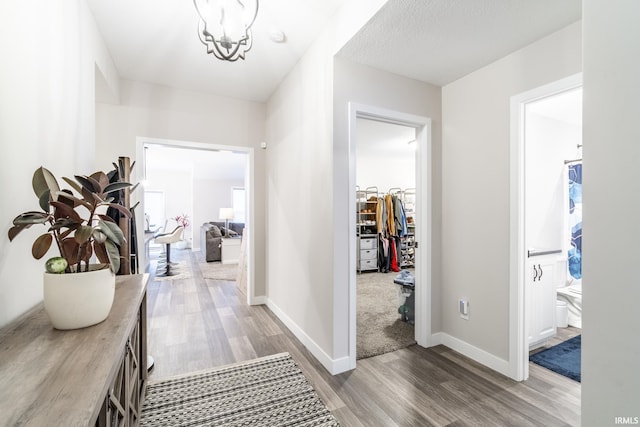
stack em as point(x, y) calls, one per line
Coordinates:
point(389, 154)
point(386, 228)
point(546, 226)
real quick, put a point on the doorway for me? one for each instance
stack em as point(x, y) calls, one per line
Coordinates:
point(386, 229)
point(422, 129)
point(190, 170)
point(546, 137)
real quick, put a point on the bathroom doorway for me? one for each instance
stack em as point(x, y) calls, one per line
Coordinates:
point(546, 145)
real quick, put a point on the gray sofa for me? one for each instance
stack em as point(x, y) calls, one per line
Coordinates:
point(211, 234)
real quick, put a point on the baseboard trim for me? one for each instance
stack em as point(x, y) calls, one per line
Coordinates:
point(333, 366)
point(481, 356)
point(261, 300)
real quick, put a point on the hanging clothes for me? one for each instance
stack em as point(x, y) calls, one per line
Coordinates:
point(394, 256)
point(381, 218)
point(399, 217)
point(391, 226)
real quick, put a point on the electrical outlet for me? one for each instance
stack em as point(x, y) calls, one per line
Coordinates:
point(463, 308)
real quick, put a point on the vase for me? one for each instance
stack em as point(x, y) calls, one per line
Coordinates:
point(78, 300)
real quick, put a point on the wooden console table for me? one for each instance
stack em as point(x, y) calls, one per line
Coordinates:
point(94, 376)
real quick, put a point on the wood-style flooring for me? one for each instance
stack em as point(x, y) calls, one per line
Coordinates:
point(198, 323)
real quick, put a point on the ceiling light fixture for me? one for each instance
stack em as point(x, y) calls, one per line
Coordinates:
point(225, 26)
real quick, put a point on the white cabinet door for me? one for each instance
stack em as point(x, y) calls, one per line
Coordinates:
point(541, 299)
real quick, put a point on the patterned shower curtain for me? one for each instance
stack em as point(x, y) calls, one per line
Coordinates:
point(575, 220)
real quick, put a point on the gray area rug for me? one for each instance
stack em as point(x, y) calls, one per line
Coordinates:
point(182, 270)
point(379, 328)
point(218, 271)
point(270, 391)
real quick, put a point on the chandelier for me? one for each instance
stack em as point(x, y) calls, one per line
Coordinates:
point(225, 26)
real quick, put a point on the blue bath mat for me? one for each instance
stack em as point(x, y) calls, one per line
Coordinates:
point(563, 358)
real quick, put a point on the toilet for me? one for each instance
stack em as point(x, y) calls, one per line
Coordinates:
point(572, 296)
point(562, 314)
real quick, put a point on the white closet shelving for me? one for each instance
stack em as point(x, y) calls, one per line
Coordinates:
point(367, 238)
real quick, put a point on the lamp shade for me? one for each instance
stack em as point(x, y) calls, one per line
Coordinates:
point(226, 213)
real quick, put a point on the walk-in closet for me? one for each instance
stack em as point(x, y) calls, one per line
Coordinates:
point(386, 229)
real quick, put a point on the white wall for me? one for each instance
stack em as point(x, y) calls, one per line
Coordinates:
point(386, 172)
point(366, 85)
point(549, 143)
point(159, 112)
point(611, 343)
point(49, 50)
point(300, 192)
point(475, 186)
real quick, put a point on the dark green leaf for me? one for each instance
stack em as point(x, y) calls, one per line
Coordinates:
point(44, 180)
point(31, 217)
point(114, 255)
point(88, 183)
point(112, 231)
point(83, 234)
point(43, 200)
point(116, 186)
point(41, 245)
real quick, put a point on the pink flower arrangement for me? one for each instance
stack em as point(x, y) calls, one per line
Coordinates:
point(182, 220)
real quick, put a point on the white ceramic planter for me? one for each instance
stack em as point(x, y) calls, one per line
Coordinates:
point(78, 300)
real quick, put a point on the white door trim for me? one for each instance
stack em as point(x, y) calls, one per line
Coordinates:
point(518, 324)
point(423, 216)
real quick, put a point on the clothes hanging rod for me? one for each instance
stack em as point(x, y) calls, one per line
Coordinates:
point(566, 162)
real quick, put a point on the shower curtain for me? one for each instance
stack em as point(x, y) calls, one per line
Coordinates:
point(575, 220)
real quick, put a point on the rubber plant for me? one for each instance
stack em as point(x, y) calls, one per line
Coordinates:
point(77, 221)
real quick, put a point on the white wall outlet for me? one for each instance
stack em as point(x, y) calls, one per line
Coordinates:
point(463, 309)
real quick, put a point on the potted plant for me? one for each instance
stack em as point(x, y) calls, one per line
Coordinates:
point(76, 293)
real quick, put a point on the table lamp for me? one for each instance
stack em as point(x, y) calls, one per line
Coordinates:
point(226, 214)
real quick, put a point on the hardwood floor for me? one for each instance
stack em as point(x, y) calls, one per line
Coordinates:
point(198, 323)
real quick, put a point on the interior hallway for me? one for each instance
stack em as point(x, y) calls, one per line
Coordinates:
point(199, 323)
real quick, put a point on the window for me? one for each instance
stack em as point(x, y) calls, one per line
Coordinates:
point(239, 204)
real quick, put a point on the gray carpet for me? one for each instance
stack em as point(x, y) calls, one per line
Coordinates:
point(379, 328)
point(270, 391)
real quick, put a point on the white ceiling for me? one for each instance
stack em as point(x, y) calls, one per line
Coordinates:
point(435, 41)
point(439, 41)
point(204, 164)
point(157, 41)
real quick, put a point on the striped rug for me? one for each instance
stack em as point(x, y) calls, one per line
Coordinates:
point(270, 391)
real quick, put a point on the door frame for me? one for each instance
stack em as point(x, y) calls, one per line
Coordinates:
point(423, 216)
point(518, 322)
point(252, 299)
